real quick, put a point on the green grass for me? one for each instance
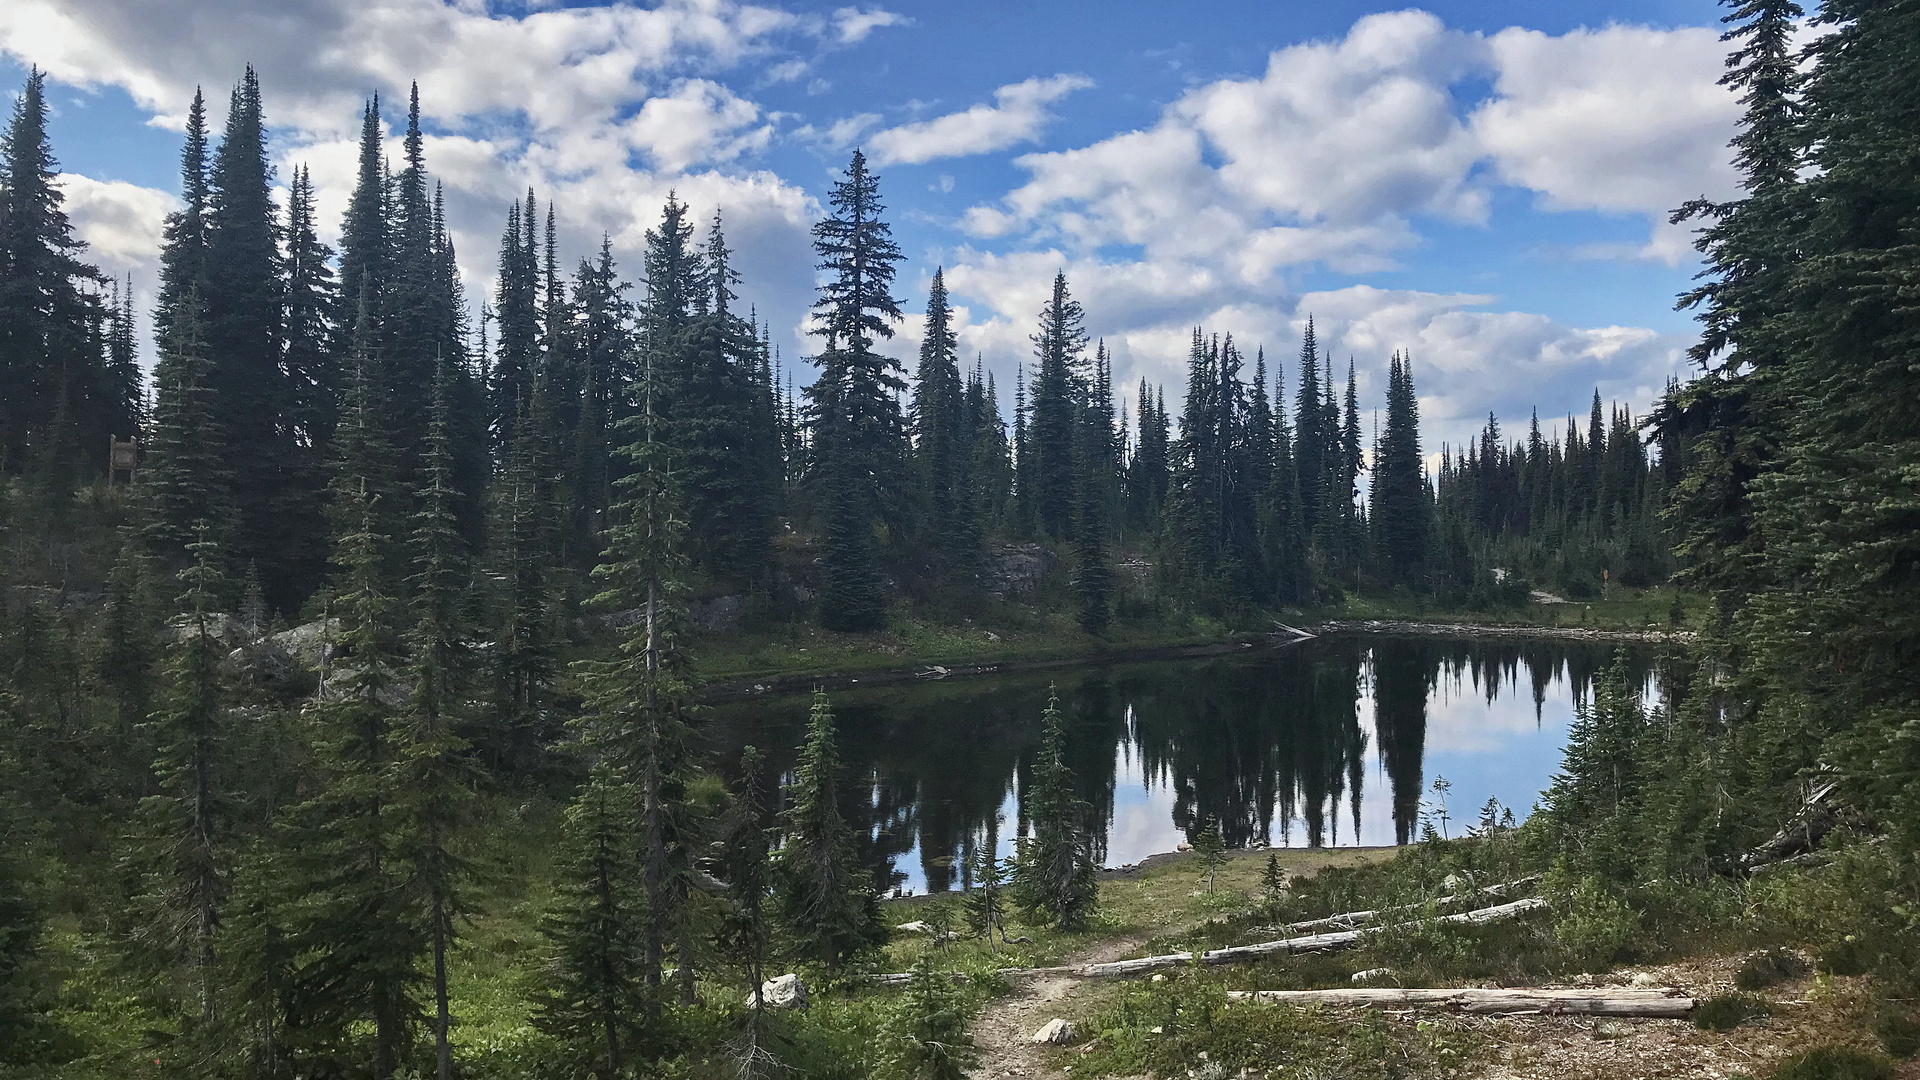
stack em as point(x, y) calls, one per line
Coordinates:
point(1013, 632)
point(913, 640)
point(1621, 609)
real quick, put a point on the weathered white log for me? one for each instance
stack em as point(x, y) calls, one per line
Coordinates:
point(1339, 939)
point(1354, 919)
point(1667, 1004)
point(1310, 943)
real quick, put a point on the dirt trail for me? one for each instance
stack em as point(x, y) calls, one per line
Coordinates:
point(1003, 1032)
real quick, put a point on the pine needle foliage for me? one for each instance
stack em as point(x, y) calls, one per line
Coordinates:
point(827, 904)
point(1055, 876)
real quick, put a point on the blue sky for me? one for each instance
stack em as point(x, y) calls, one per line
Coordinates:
point(1482, 185)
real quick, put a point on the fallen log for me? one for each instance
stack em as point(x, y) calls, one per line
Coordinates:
point(1311, 943)
point(1666, 1004)
point(1339, 939)
point(1354, 919)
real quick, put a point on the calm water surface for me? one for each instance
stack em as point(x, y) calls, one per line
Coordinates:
point(1334, 742)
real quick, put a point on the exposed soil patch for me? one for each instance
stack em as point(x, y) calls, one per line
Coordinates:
point(1003, 1032)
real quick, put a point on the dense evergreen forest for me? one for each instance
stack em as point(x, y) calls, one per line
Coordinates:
point(387, 568)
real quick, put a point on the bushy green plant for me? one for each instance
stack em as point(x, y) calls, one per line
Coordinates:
point(1769, 967)
point(927, 1030)
point(1592, 926)
point(1899, 1031)
point(1211, 850)
point(1834, 1063)
point(1724, 1012)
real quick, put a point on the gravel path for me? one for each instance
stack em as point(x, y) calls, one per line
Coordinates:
point(1003, 1032)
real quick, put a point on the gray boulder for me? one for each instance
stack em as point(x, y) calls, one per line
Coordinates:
point(783, 992)
point(1055, 1032)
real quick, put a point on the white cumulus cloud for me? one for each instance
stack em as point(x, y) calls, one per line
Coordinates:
point(1018, 115)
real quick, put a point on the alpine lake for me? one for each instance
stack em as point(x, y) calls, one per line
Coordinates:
point(1355, 739)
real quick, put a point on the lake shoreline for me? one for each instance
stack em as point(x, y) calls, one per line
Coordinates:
point(798, 682)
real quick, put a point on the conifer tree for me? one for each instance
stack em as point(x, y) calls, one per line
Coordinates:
point(1751, 245)
point(1092, 574)
point(360, 933)
point(183, 244)
point(431, 754)
point(990, 462)
point(525, 654)
point(986, 901)
point(640, 701)
point(595, 991)
point(363, 459)
point(744, 859)
point(930, 1039)
point(129, 639)
point(190, 819)
point(715, 386)
point(52, 406)
point(1282, 520)
point(123, 400)
point(830, 910)
point(1147, 473)
point(1055, 876)
point(188, 480)
point(312, 310)
point(243, 336)
point(516, 308)
point(602, 345)
point(1309, 433)
point(1400, 503)
point(1059, 348)
point(366, 241)
point(859, 435)
point(941, 428)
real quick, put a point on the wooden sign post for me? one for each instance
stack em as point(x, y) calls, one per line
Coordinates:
point(121, 457)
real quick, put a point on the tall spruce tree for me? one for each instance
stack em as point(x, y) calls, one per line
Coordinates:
point(183, 243)
point(312, 313)
point(189, 822)
point(640, 701)
point(1309, 431)
point(942, 430)
point(433, 782)
point(243, 335)
point(859, 435)
point(1059, 394)
point(53, 393)
point(358, 931)
point(717, 426)
point(1751, 245)
point(1400, 504)
point(188, 481)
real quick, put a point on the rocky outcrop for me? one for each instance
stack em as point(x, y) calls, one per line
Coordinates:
point(309, 645)
point(1014, 569)
point(718, 614)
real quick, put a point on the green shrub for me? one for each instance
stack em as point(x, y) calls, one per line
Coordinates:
point(1835, 1063)
point(1844, 957)
point(1593, 925)
point(1899, 1032)
point(1769, 967)
point(1724, 1012)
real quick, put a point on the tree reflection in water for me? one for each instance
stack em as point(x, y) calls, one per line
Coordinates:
point(1274, 744)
